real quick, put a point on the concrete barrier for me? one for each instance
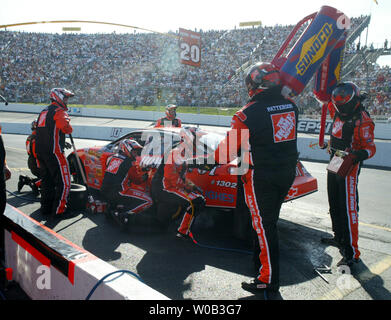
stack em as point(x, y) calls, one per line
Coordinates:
point(308, 149)
point(307, 144)
point(382, 129)
point(49, 267)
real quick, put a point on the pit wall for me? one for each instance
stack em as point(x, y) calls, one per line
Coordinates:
point(49, 267)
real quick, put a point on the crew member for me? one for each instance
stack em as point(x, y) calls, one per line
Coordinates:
point(32, 163)
point(170, 120)
point(52, 125)
point(266, 130)
point(171, 189)
point(353, 132)
point(125, 184)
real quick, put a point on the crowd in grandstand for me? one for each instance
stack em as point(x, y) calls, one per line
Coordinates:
point(128, 69)
point(378, 85)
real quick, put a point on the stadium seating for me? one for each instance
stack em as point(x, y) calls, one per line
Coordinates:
point(127, 69)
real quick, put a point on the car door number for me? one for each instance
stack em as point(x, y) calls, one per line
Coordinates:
point(227, 184)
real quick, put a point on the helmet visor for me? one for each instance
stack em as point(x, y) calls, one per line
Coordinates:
point(344, 99)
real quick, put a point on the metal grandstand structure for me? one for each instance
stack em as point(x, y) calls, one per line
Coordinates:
point(355, 57)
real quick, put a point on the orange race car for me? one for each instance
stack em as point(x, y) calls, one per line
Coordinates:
point(219, 185)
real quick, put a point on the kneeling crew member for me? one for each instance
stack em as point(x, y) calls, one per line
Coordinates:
point(32, 163)
point(118, 190)
point(171, 189)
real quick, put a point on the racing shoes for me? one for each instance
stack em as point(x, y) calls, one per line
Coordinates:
point(35, 189)
point(123, 219)
point(182, 236)
point(330, 241)
point(347, 262)
point(23, 180)
point(256, 286)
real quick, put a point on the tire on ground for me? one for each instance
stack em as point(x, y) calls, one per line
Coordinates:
point(77, 197)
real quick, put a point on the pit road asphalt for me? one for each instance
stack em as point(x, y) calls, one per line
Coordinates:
point(214, 268)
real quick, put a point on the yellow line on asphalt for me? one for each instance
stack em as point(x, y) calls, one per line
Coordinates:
point(12, 148)
point(375, 226)
point(355, 282)
point(19, 169)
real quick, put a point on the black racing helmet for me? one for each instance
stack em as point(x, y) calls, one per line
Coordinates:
point(262, 76)
point(127, 146)
point(33, 125)
point(346, 98)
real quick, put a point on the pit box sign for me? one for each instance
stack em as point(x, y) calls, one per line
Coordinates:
point(312, 126)
point(190, 47)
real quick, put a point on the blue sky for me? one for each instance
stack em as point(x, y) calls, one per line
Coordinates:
point(163, 16)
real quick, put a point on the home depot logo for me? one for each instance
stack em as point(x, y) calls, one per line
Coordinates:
point(314, 48)
point(284, 126)
point(114, 165)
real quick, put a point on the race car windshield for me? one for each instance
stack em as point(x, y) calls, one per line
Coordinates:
point(211, 140)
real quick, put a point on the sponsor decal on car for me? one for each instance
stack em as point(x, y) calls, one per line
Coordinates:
point(221, 196)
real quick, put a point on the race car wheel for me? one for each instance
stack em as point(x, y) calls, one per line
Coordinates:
point(77, 197)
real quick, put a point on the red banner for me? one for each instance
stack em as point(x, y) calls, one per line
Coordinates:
point(190, 47)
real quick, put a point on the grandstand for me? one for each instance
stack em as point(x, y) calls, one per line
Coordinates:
point(129, 69)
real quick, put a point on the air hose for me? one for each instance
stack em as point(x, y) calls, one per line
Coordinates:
point(108, 275)
point(207, 246)
point(23, 198)
point(218, 248)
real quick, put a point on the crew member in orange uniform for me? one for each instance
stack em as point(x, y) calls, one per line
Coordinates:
point(52, 125)
point(125, 186)
point(32, 163)
point(170, 120)
point(172, 189)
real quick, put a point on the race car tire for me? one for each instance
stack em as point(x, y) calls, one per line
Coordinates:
point(77, 197)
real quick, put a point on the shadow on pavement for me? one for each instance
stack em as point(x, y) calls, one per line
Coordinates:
point(168, 263)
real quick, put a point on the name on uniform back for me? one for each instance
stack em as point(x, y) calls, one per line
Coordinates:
point(279, 108)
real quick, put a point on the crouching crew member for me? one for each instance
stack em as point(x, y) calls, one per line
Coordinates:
point(124, 185)
point(172, 190)
point(32, 163)
point(52, 125)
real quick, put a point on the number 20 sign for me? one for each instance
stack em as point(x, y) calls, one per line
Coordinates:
point(190, 47)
